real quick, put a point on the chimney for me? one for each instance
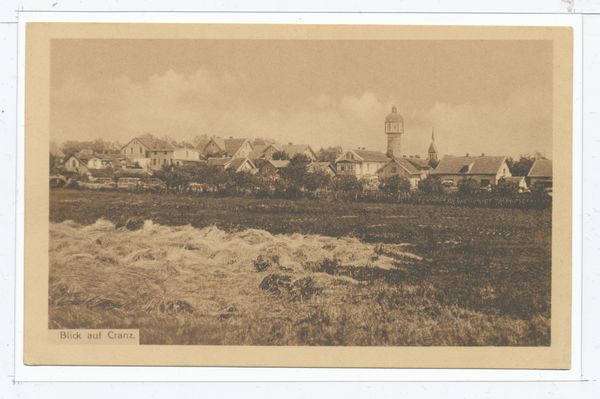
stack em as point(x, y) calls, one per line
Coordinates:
point(410, 156)
point(483, 154)
point(417, 156)
point(467, 154)
point(403, 156)
point(364, 148)
point(290, 143)
point(230, 137)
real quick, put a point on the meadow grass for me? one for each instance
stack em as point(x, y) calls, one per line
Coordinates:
point(456, 277)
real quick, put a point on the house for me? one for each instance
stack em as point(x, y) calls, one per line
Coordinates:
point(103, 161)
point(175, 156)
point(101, 175)
point(520, 181)
point(487, 170)
point(236, 164)
point(322, 167)
point(74, 164)
point(232, 148)
point(402, 167)
point(541, 173)
point(133, 173)
point(139, 149)
point(271, 168)
point(267, 151)
point(361, 163)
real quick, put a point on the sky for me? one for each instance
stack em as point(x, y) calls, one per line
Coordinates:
point(492, 97)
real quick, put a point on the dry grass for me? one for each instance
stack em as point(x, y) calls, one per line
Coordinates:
point(183, 285)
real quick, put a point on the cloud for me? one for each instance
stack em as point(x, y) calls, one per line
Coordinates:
point(118, 108)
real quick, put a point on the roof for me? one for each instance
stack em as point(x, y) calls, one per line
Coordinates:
point(404, 163)
point(293, 149)
point(54, 150)
point(233, 145)
point(488, 165)
point(432, 148)
point(102, 172)
point(319, 166)
point(153, 143)
point(280, 164)
point(371, 156)
point(541, 168)
point(236, 163)
point(258, 151)
point(394, 116)
point(201, 144)
point(218, 161)
point(418, 163)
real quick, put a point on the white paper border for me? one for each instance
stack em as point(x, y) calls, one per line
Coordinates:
point(88, 373)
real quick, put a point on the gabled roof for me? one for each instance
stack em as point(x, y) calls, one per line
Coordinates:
point(201, 144)
point(232, 146)
point(419, 163)
point(151, 143)
point(541, 168)
point(488, 165)
point(155, 144)
point(237, 163)
point(403, 163)
point(293, 149)
point(365, 156)
point(258, 151)
point(320, 166)
point(218, 161)
point(280, 164)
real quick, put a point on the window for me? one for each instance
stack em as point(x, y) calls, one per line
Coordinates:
point(394, 170)
point(367, 167)
point(485, 183)
point(155, 152)
point(342, 168)
point(187, 154)
point(74, 163)
point(165, 153)
point(141, 152)
point(131, 148)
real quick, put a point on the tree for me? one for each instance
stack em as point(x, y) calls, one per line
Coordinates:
point(297, 170)
point(316, 180)
point(329, 154)
point(346, 183)
point(524, 164)
point(505, 187)
point(394, 184)
point(468, 186)
point(280, 156)
point(431, 184)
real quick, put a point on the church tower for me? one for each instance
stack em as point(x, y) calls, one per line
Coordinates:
point(394, 127)
point(432, 152)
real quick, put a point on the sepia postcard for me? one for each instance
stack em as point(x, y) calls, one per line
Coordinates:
point(372, 196)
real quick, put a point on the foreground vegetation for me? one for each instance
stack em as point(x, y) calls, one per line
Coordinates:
point(279, 272)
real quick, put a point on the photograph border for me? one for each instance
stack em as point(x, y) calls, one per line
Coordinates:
point(40, 353)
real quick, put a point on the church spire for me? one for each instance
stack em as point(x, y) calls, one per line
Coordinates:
point(432, 135)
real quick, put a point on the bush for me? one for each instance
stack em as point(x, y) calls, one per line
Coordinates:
point(432, 184)
point(346, 183)
point(395, 184)
point(505, 187)
point(469, 186)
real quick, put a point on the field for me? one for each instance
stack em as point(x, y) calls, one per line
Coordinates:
point(239, 271)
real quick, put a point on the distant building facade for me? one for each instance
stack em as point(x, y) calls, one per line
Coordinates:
point(487, 170)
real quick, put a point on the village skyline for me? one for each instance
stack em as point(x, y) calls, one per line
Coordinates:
point(479, 96)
